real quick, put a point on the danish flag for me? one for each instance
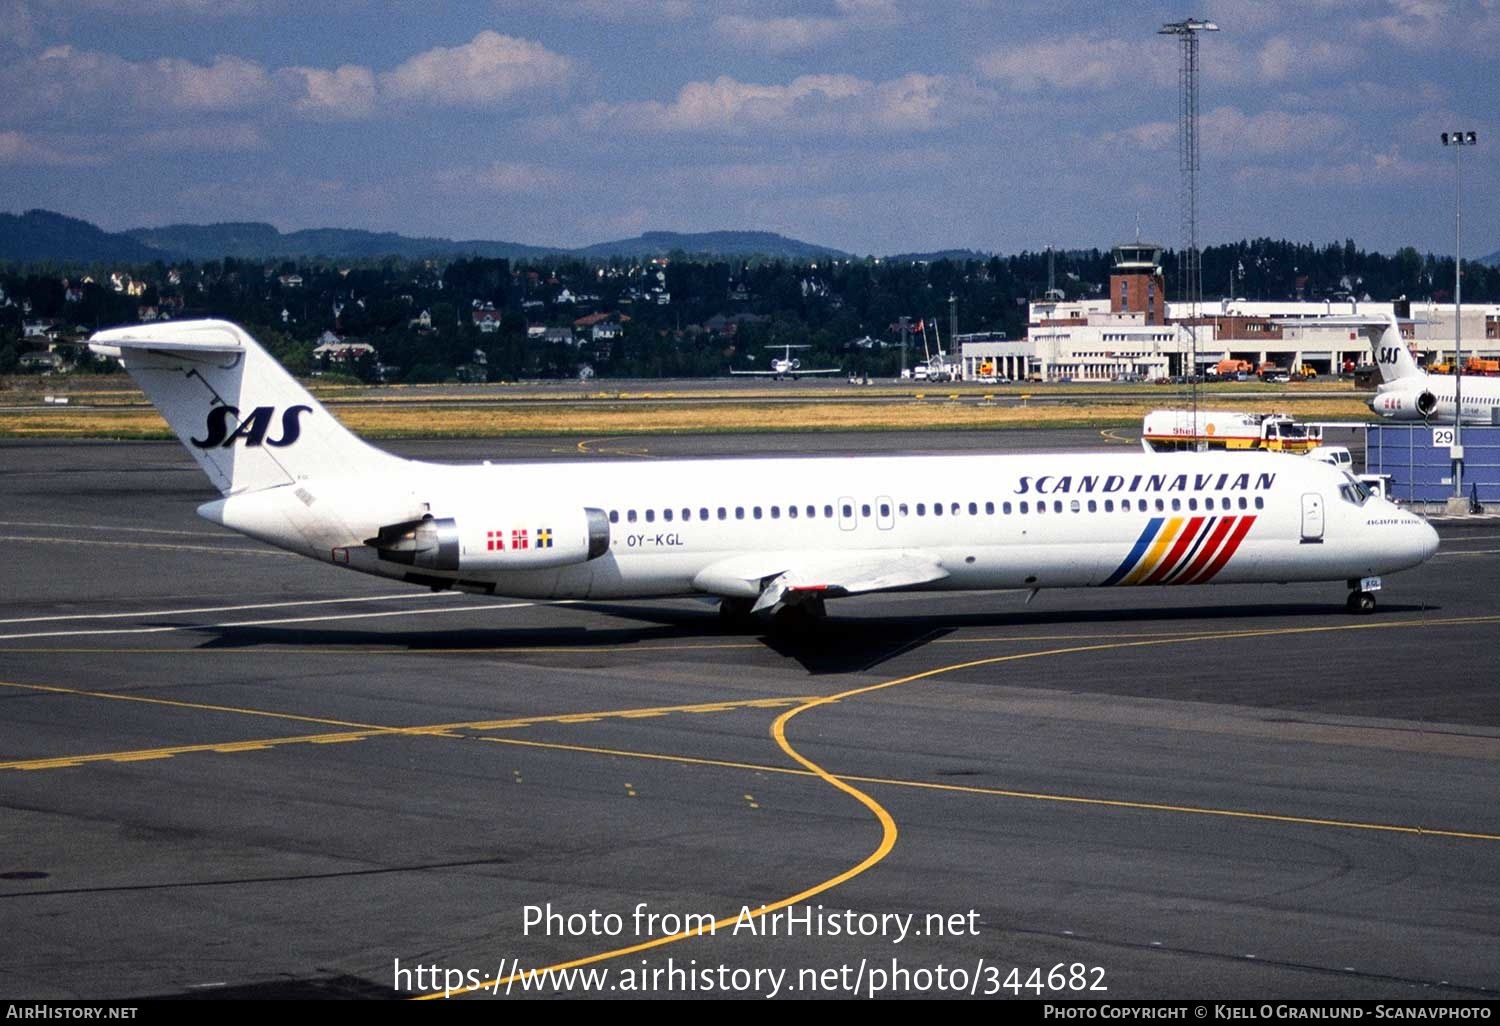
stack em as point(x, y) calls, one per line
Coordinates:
point(496, 541)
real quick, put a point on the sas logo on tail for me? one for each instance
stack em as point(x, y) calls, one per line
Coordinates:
point(253, 428)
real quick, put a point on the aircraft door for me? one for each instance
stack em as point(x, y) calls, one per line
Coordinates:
point(885, 513)
point(1312, 518)
point(848, 513)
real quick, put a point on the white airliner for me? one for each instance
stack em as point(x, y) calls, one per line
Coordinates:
point(786, 366)
point(1407, 392)
point(771, 535)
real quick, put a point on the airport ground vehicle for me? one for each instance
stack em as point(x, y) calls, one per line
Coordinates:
point(1169, 430)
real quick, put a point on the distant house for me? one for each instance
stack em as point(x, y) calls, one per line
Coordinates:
point(146, 313)
point(485, 317)
point(421, 322)
point(46, 362)
point(602, 326)
point(563, 336)
point(290, 281)
point(338, 352)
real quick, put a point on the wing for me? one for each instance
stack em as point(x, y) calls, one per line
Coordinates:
point(775, 578)
point(754, 374)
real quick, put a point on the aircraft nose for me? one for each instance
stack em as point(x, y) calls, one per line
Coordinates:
point(1428, 542)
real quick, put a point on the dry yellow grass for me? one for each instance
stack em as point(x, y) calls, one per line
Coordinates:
point(585, 417)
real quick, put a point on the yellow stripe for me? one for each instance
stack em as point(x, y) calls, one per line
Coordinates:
point(1164, 540)
point(435, 729)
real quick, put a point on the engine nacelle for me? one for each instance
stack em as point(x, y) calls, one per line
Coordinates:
point(1403, 405)
point(496, 540)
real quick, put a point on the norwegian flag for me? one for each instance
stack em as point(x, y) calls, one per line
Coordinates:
point(496, 541)
point(518, 539)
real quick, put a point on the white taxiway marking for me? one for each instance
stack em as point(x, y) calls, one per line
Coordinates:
point(116, 527)
point(231, 609)
point(266, 623)
point(227, 550)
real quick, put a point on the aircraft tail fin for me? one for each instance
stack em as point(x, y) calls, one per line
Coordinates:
point(1392, 355)
point(248, 423)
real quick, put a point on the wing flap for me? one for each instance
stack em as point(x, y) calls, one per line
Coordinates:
point(773, 578)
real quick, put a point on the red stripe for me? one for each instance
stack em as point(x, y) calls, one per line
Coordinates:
point(1207, 551)
point(1184, 542)
point(1230, 546)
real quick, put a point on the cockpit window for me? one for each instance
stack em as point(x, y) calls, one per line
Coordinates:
point(1353, 491)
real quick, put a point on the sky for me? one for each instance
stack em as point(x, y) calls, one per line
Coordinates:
point(871, 126)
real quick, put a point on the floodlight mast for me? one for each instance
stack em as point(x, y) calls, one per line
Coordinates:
point(1191, 267)
point(1458, 140)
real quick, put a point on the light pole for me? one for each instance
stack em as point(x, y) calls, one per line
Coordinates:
point(1458, 140)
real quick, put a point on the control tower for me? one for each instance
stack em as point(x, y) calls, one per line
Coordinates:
point(1136, 285)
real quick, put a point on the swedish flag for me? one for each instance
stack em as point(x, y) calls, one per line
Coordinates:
point(544, 537)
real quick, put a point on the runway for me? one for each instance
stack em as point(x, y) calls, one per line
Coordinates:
point(229, 772)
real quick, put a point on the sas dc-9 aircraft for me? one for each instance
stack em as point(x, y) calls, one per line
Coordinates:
point(770, 535)
point(1407, 392)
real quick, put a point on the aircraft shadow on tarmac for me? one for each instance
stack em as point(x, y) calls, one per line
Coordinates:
point(837, 645)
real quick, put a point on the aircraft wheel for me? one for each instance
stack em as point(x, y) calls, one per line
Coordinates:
point(1362, 602)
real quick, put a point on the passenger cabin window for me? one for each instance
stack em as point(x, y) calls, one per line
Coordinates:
point(848, 510)
point(885, 509)
point(921, 509)
point(703, 513)
point(756, 512)
point(812, 512)
point(739, 512)
point(989, 508)
point(775, 512)
point(614, 516)
point(973, 509)
point(828, 511)
point(1024, 507)
point(650, 516)
point(937, 509)
point(723, 513)
point(630, 515)
point(666, 514)
point(864, 509)
point(903, 509)
point(791, 511)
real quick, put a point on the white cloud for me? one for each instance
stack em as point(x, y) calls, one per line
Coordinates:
point(487, 70)
point(809, 104)
point(794, 33)
point(20, 150)
point(1284, 57)
point(62, 80)
point(1228, 130)
point(346, 93)
point(1079, 63)
point(779, 35)
point(201, 138)
point(504, 176)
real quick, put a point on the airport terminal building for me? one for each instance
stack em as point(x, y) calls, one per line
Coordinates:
point(1136, 333)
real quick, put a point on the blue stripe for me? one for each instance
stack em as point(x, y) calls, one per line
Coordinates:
point(1141, 544)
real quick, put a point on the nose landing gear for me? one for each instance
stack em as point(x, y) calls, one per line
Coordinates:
point(1361, 598)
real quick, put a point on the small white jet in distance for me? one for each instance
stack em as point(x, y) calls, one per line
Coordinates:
point(774, 535)
point(1407, 392)
point(786, 366)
